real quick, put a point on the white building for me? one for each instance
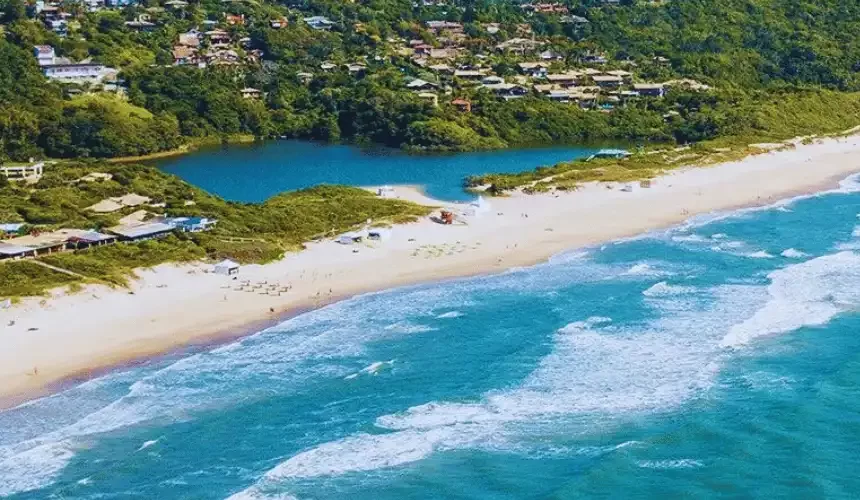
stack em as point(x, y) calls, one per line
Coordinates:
point(64, 70)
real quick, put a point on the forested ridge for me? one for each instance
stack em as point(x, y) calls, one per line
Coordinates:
point(753, 56)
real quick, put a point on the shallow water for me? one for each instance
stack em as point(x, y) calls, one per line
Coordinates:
point(719, 358)
point(252, 173)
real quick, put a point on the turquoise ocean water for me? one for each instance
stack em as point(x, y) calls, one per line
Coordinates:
point(255, 172)
point(717, 359)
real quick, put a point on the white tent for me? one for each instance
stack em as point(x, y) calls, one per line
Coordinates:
point(226, 267)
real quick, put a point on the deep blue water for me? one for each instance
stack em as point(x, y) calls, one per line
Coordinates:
point(252, 173)
point(716, 359)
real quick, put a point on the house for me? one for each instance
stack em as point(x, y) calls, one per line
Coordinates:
point(78, 239)
point(437, 26)
point(571, 19)
point(492, 80)
point(144, 231)
point(14, 252)
point(328, 66)
point(141, 23)
point(191, 224)
point(650, 89)
point(45, 54)
point(534, 69)
point(190, 39)
point(176, 4)
point(594, 59)
point(279, 23)
point(83, 72)
point(356, 68)
point(567, 79)
point(226, 267)
point(64, 70)
point(234, 20)
point(304, 77)
point(119, 202)
point(250, 93)
point(492, 28)
point(518, 45)
point(507, 91)
point(319, 23)
point(471, 75)
point(687, 84)
point(183, 55)
point(419, 84)
point(218, 36)
point(551, 55)
point(442, 53)
point(607, 81)
point(441, 68)
point(463, 105)
point(625, 75)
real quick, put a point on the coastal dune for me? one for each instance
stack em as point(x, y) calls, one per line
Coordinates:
point(44, 341)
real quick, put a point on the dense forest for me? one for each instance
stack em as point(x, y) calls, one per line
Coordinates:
point(751, 54)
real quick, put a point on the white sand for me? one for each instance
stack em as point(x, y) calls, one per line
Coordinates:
point(175, 305)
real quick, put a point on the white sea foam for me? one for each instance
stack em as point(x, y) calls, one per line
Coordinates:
point(147, 444)
point(683, 463)
point(450, 314)
point(663, 289)
point(32, 468)
point(793, 253)
point(806, 294)
point(761, 254)
point(596, 372)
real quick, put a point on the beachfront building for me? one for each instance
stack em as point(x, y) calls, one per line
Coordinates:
point(226, 267)
point(9, 251)
point(140, 232)
point(191, 224)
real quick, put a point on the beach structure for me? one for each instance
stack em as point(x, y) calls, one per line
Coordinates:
point(119, 202)
point(349, 238)
point(10, 251)
point(617, 154)
point(139, 232)
point(379, 234)
point(385, 192)
point(5, 303)
point(226, 267)
point(191, 224)
point(22, 172)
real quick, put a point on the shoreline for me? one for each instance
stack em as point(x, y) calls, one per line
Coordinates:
point(177, 309)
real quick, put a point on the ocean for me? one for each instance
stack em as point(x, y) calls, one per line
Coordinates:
point(720, 358)
point(252, 173)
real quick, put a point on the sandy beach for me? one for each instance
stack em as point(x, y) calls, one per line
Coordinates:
point(46, 340)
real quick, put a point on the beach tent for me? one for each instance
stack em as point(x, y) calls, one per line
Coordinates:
point(226, 267)
point(5, 303)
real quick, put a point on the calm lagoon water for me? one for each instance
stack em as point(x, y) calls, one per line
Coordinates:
point(718, 359)
point(252, 173)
